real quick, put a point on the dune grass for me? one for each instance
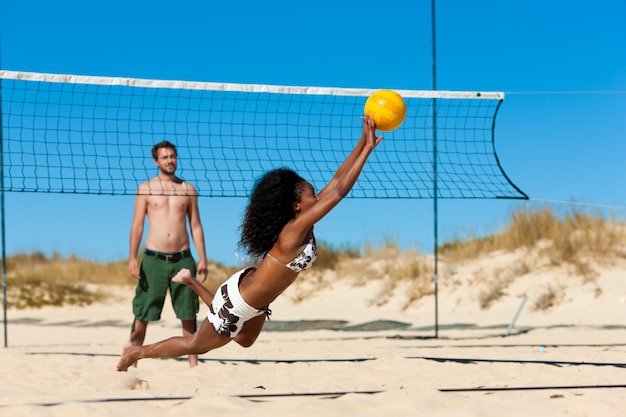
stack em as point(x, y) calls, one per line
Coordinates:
point(35, 280)
point(576, 240)
point(394, 270)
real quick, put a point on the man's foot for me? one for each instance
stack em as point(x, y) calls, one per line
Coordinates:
point(126, 359)
point(183, 277)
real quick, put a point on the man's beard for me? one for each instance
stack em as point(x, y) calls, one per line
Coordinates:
point(168, 170)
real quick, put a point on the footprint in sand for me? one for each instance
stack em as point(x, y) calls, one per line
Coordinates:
point(140, 384)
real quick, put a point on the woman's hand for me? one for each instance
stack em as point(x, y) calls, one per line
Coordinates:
point(369, 132)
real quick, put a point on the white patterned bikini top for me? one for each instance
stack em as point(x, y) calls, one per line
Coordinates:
point(304, 260)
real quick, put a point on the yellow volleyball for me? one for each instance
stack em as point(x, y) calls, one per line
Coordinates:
point(387, 108)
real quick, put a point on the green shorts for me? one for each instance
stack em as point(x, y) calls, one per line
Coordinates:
point(155, 279)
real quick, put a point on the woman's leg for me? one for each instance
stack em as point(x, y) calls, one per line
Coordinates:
point(204, 340)
point(184, 277)
point(250, 331)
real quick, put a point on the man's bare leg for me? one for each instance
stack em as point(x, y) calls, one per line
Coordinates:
point(138, 333)
point(189, 328)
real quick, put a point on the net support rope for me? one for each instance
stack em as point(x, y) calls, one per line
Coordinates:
point(93, 135)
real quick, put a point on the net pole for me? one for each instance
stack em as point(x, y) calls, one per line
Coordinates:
point(435, 185)
point(4, 257)
point(2, 227)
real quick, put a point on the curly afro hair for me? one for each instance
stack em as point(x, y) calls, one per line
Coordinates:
point(270, 208)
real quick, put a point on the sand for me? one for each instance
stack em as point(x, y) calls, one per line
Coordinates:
point(336, 354)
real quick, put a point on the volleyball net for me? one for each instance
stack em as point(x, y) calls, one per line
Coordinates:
point(93, 135)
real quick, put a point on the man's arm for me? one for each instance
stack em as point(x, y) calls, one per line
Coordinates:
point(136, 233)
point(197, 234)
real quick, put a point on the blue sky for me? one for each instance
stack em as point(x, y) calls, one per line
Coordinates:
point(560, 134)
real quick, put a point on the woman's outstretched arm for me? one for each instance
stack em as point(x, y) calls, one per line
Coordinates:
point(346, 176)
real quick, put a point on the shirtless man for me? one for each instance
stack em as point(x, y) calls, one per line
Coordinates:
point(168, 202)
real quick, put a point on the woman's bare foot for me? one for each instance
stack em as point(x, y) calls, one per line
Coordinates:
point(183, 277)
point(127, 359)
